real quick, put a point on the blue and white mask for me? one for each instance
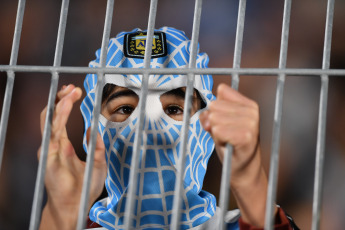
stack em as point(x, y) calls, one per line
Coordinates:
point(161, 140)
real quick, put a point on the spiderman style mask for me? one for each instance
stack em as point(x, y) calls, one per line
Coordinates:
point(161, 136)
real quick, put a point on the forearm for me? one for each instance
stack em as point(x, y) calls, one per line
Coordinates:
point(251, 200)
point(250, 191)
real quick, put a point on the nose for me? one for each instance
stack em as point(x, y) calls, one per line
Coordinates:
point(153, 106)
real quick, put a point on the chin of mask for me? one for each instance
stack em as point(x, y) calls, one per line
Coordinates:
point(158, 157)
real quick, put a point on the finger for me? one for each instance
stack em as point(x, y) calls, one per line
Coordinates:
point(230, 121)
point(225, 92)
point(65, 90)
point(99, 149)
point(233, 109)
point(43, 118)
point(100, 166)
point(238, 136)
point(100, 161)
point(62, 112)
point(204, 119)
point(39, 153)
point(67, 156)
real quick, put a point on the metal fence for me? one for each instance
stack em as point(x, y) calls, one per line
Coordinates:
point(280, 73)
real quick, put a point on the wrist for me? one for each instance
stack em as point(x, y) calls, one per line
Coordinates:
point(250, 175)
point(59, 217)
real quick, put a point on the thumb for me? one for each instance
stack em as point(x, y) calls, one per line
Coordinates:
point(99, 168)
point(99, 158)
point(100, 152)
point(205, 120)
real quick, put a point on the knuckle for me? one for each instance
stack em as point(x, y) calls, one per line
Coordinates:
point(253, 114)
point(247, 137)
point(43, 113)
point(212, 117)
point(252, 125)
point(39, 152)
point(211, 105)
point(255, 105)
point(216, 131)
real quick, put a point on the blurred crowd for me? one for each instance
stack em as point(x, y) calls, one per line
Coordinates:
point(261, 45)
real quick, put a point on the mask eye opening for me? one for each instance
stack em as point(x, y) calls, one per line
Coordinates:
point(201, 99)
point(107, 89)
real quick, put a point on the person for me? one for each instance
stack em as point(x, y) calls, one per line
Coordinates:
point(215, 121)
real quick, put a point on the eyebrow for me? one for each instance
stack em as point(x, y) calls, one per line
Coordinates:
point(176, 92)
point(180, 93)
point(122, 93)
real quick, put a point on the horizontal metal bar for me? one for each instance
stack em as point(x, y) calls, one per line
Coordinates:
point(184, 71)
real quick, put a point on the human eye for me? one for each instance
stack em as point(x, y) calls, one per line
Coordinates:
point(119, 105)
point(120, 113)
point(172, 110)
point(124, 110)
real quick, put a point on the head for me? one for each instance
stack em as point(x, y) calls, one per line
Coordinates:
point(162, 122)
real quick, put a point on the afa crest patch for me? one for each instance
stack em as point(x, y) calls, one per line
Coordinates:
point(134, 45)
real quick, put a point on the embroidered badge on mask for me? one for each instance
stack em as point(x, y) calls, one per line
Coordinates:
point(135, 43)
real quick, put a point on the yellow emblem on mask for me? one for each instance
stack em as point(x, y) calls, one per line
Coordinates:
point(140, 42)
point(135, 44)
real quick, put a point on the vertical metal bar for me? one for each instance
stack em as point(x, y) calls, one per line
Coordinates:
point(10, 77)
point(239, 41)
point(224, 196)
point(130, 201)
point(17, 32)
point(38, 196)
point(177, 203)
point(5, 112)
point(84, 200)
point(321, 133)
point(274, 162)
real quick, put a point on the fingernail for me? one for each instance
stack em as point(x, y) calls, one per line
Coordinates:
point(65, 88)
point(77, 90)
point(73, 91)
point(68, 88)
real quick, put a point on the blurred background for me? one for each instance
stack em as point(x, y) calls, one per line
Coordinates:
point(217, 38)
